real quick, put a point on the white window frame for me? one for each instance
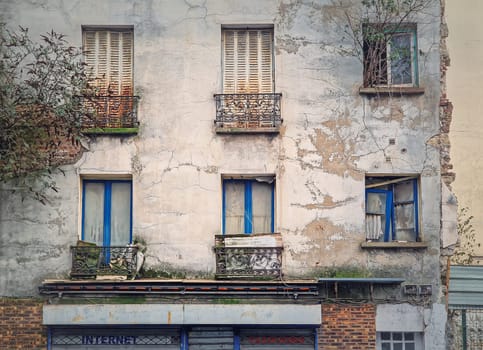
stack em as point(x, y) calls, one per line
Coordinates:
point(416, 343)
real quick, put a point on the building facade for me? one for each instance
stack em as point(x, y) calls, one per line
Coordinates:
point(247, 182)
point(462, 80)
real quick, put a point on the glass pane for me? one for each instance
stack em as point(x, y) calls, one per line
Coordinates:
point(405, 223)
point(397, 346)
point(262, 207)
point(120, 213)
point(409, 346)
point(400, 58)
point(234, 207)
point(376, 203)
point(408, 336)
point(93, 225)
point(397, 336)
point(386, 346)
point(385, 335)
point(403, 192)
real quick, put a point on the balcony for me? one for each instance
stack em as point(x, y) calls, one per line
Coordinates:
point(256, 256)
point(110, 115)
point(90, 261)
point(248, 113)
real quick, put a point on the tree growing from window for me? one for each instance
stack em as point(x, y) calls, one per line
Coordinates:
point(40, 108)
point(375, 29)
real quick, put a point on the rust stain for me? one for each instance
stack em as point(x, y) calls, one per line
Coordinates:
point(78, 318)
point(169, 317)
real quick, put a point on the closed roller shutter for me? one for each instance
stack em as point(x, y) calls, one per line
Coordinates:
point(210, 338)
point(266, 339)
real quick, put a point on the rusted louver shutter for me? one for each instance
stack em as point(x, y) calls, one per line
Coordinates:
point(248, 63)
point(109, 59)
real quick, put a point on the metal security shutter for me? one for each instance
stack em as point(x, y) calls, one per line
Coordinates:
point(266, 339)
point(210, 338)
point(247, 61)
point(112, 338)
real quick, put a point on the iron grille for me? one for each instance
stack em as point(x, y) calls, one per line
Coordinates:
point(248, 111)
point(248, 262)
point(92, 261)
point(109, 112)
point(467, 329)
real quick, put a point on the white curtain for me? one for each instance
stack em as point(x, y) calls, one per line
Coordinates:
point(262, 207)
point(234, 207)
point(375, 215)
point(374, 226)
point(120, 213)
point(94, 212)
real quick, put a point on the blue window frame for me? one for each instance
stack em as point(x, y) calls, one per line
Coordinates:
point(392, 212)
point(248, 205)
point(107, 212)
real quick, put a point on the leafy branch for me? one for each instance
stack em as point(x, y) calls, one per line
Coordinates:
point(40, 109)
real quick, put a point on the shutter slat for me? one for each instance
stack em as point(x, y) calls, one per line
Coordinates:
point(90, 52)
point(254, 63)
point(127, 64)
point(113, 80)
point(241, 67)
point(229, 62)
point(102, 76)
point(266, 54)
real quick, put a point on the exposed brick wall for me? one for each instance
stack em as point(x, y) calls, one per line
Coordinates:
point(21, 324)
point(348, 327)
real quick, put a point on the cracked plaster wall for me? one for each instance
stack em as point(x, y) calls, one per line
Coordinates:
point(331, 136)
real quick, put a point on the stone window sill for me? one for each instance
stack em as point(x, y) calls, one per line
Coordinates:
point(395, 244)
point(391, 90)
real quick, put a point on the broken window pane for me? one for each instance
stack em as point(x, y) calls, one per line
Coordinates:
point(400, 57)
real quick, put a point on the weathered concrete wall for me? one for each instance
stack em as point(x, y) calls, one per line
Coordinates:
point(331, 136)
point(464, 76)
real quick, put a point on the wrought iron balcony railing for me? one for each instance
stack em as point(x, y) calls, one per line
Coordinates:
point(91, 261)
point(248, 112)
point(237, 260)
point(110, 112)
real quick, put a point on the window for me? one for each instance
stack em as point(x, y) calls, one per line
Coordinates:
point(109, 61)
point(248, 102)
point(399, 341)
point(390, 55)
point(106, 212)
point(247, 61)
point(248, 205)
point(392, 208)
